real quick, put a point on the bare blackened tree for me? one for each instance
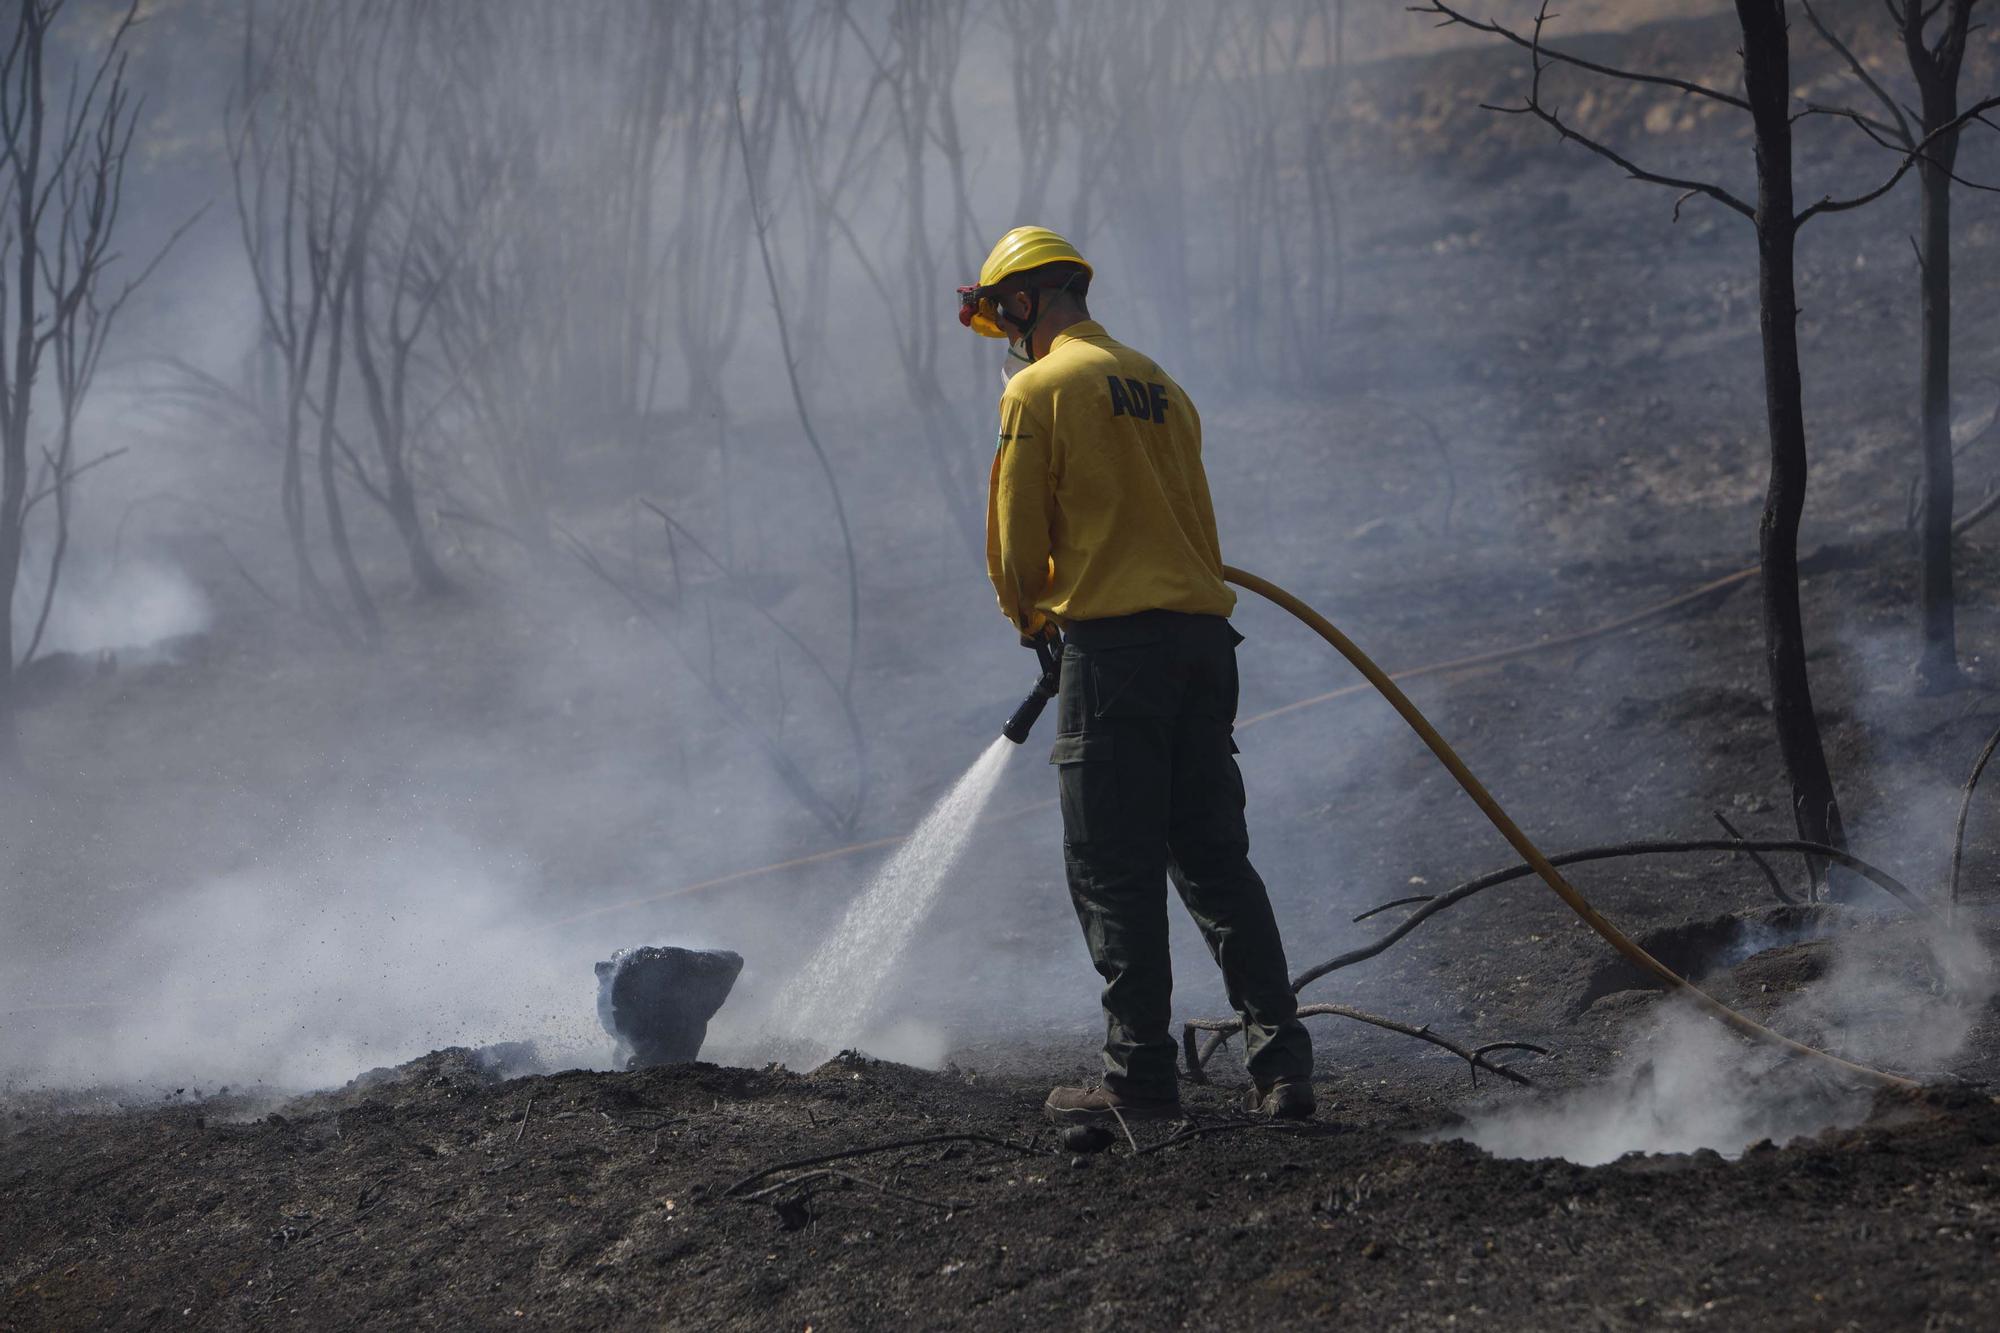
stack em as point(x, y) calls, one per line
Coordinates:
point(1048, 69)
point(1152, 66)
point(1934, 66)
point(917, 66)
point(703, 260)
point(390, 154)
point(1321, 164)
point(332, 260)
point(281, 186)
point(1278, 88)
point(668, 609)
point(61, 188)
point(592, 236)
point(1766, 99)
point(810, 71)
point(337, 143)
point(502, 225)
point(748, 156)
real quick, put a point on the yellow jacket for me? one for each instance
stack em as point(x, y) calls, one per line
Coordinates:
point(1098, 505)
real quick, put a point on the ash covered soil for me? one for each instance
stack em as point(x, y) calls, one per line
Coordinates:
point(441, 1195)
point(1592, 371)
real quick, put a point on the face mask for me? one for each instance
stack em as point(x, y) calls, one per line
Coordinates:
point(1016, 358)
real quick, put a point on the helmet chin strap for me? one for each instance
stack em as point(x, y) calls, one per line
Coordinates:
point(1026, 326)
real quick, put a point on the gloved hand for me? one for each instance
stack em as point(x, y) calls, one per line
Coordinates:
point(1048, 645)
point(1046, 633)
point(1047, 642)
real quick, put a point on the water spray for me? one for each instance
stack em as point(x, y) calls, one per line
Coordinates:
point(842, 980)
point(833, 1000)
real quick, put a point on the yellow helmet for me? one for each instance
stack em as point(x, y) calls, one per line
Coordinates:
point(1018, 251)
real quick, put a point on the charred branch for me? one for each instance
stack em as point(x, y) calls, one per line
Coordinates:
point(1770, 875)
point(760, 226)
point(62, 190)
point(849, 1154)
point(803, 1184)
point(1532, 105)
point(1428, 907)
point(857, 734)
point(1964, 808)
point(836, 819)
point(1746, 846)
point(1450, 18)
point(1188, 1133)
point(1920, 152)
point(1197, 1056)
point(1898, 125)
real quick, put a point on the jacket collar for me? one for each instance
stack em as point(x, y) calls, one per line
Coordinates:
point(1083, 328)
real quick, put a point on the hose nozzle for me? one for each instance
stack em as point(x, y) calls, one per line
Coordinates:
point(1022, 722)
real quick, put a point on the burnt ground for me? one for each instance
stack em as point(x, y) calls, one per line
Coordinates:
point(1593, 370)
point(586, 1200)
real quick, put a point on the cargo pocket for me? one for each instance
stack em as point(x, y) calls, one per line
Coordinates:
point(1086, 782)
point(1130, 682)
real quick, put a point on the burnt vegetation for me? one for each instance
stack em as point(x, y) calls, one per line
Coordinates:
point(589, 471)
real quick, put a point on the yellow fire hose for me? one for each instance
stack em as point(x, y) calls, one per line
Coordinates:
point(1530, 853)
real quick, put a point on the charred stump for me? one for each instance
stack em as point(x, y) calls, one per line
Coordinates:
point(656, 1001)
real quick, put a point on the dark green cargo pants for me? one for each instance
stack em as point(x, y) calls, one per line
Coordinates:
point(1150, 790)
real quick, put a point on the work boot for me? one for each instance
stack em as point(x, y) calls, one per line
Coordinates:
point(1282, 1099)
point(1102, 1106)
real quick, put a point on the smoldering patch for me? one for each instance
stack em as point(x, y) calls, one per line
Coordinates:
point(1900, 993)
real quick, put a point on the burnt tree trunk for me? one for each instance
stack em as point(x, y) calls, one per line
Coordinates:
point(424, 566)
point(14, 488)
point(25, 154)
point(1936, 73)
point(1767, 84)
point(388, 413)
point(1937, 666)
point(340, 293)
point(15, 494)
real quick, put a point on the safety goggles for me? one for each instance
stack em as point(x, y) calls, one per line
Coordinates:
point(976, 311)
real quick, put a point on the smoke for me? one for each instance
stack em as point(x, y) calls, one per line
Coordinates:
point(834, 999)
point(104, 608)
point(1684, 1083)
point(1900, 1003)
point(1903, 1000)
point(466, 779)
point(364, 946)
point(306, 856)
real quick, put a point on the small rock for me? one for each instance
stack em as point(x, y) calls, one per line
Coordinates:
point(792, 1213)
point(1086, 1138)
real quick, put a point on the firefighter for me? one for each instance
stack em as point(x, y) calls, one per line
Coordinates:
point(1100, 535)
